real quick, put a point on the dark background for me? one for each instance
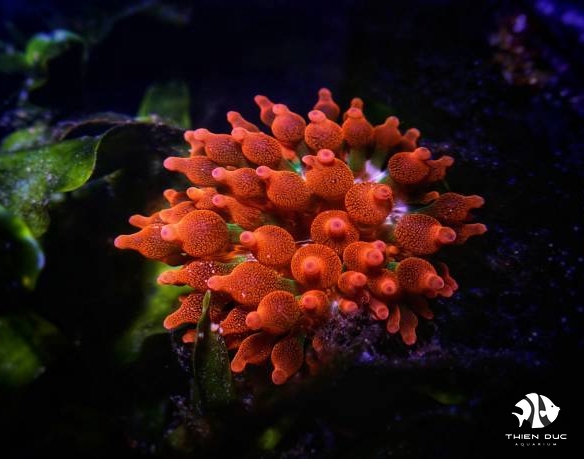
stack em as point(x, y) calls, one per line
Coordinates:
point(513, 118)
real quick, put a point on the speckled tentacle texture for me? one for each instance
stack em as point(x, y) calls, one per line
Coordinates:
point(317, 216)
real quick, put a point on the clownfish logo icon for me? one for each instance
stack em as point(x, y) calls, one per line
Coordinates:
point(538, 410)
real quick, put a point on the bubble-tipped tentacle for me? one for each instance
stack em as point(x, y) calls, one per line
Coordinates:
point(357, 131)
point(369, 203)
point(249, 282)
point(384, 285)
point(315, 304)
point(197, 147)
point(174, 197)
point(387, 135)
point(322, 133)
point(286, 190)
point(408, 322)
point(142, 221)
point(316, 266)
point(288, 127)
point(190, 310)
point(453, 207)
point(243, 183)
point(259, 148)
point(198, 169)
point(327, 105)
point(265, 105)
point(378, 309)
point(277, 313)
point(287, 357)
point(334, 229)
point(254, 349)
point(421, 234)
point(365, 257)
point(247, 217)
point(271, 245)
point(463, 232)
point(223, 149)
point(234, 322)
point(326, 176)
point(200, 233)
point(238, 121)
point(196, 273)
point(410, 168)
point(202, 197)
point(149, 242)
point(416, 275)
point(350, 283)
point(176, 212)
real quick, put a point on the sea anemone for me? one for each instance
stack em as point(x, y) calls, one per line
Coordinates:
point(317, 219)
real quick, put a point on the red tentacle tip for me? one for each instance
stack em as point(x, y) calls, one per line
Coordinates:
point(325, 156)
point(169, 233)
